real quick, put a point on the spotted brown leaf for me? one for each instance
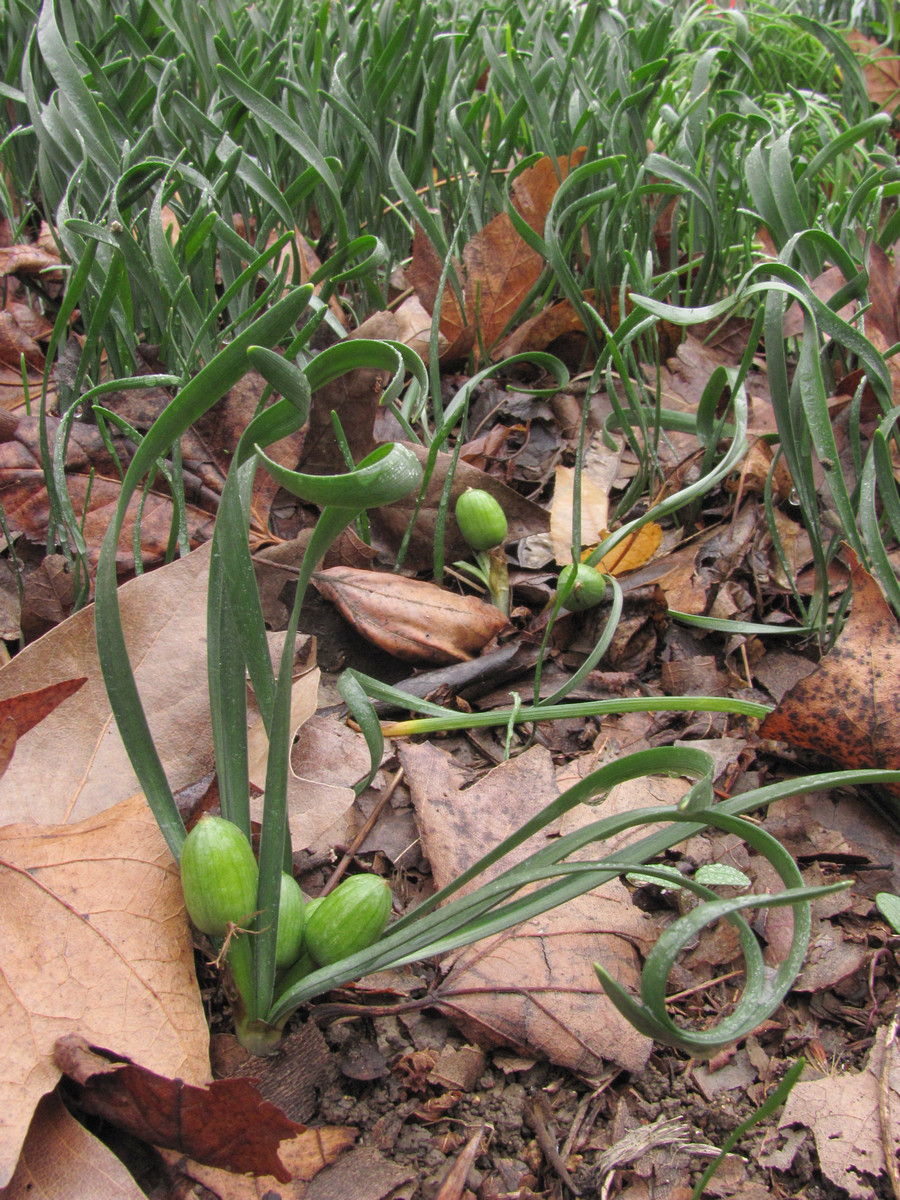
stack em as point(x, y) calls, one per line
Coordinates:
point(849, 707)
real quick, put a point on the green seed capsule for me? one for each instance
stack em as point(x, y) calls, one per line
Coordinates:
point(349, 919)
point(218, 876)
point(481, 520)
point(589, 589)
point(291, 920)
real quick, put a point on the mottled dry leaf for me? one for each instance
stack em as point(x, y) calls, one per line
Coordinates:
point(304, 1156)
point(73, 764)
point(60, 1160)
point(225, 1124)
point(842, 1112)
point(94, 940)
point(409, 618)
point(532, 987)
point(849, 708)
point(594, 513)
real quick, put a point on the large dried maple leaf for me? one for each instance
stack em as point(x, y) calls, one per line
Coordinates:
point(849, 707)
point(94, 940)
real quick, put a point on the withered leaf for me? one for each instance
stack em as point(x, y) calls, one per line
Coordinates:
point(842, 1110)
point(94, 486)
point(532, 987)
point(94, 940)
point(849, 707)
point(29, 708)
point(534, 189)
point(411, 619)
point(501, 269)
point(60, 1160)
point(225, 1124)
point(304, 1156)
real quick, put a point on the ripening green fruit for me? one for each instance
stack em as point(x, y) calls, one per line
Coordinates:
point(348, 919)
point(589, 589)
point(291, 920)
point(481, 520)
point(218, 876)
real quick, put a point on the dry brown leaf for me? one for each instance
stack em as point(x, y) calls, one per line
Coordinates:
point(594, 513)
point(314, 805)
point(60, 1160)
point(225, 1124)
point(16, 342)
point(304, 1156)
point(409, 323)
point(533, 190)
point(824, 286)
point(847, 709)
point(94, 487)
point(73, 764)
point(12, 394)
point(409, 618)
point(424, 274)
point(94, 940)
point(30, 708)
point(540, 330)
point(842, 1112)
point(501, 269)
point(354, 396)
point(31, 259)
point(532, 987)
point(880, 67)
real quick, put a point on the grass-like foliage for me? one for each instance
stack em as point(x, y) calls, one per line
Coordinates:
point(176, 148)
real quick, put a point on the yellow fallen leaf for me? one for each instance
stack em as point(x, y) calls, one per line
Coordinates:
point(633, 552)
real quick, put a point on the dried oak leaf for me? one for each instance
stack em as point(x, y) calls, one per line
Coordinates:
point(225, 1124)
point(94, 940)
point(849, 707)
point(411, 619)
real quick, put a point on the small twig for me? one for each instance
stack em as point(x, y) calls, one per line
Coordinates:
point(536, 1119)
point(361, 836)
point(701, 987)
point(884, 1105)
point(584, 1119)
